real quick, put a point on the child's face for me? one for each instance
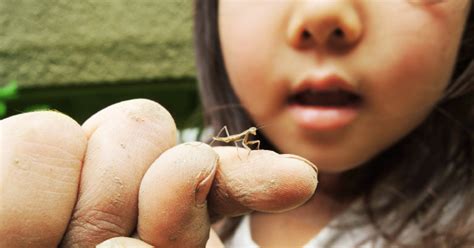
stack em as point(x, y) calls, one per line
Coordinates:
point(395, 55)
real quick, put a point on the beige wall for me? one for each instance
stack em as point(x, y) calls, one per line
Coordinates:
point(59, 42)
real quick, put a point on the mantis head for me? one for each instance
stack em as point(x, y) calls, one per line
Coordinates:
point(253, 130)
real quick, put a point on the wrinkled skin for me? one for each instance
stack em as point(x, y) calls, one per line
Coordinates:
point(62, 184)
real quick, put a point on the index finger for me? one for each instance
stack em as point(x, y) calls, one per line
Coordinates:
point(260, 180)
point(124, 140)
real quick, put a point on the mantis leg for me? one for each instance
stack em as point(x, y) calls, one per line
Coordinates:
point(254, 142)
point(226, 131)
point(228, 134)
point(224, 128)
point(251, 143)
point(245, 141)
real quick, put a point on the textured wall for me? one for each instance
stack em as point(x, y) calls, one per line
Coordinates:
point(59, 42)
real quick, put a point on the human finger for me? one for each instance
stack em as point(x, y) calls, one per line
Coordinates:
point(123, 242)
point(126, 242)
point(264, 181)
point(260, 180)
point(41, 155)
point(123, 141)
point(172, 200)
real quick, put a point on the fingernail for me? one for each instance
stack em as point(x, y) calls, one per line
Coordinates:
point(301, 159)
point(202, 189)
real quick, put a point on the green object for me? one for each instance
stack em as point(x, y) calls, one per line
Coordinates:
point(37, 107)
point(8, 91)
point(179, 97)
point(3, 109)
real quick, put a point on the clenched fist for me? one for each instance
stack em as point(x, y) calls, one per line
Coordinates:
point(121, 174)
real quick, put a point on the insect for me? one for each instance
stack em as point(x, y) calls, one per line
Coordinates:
point(243, 137)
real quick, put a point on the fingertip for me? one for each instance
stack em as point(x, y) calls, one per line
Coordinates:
point(299, 158)
point(260, 180)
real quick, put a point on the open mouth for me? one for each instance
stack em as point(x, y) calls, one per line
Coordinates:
point(325, 104)
point(325, 98)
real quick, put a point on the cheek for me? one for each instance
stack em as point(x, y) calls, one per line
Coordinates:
point(413, 77)
point(247, 51)
point(410, 71)
point(248, 74)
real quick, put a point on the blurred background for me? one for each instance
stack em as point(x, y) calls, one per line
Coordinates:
point(78, 57)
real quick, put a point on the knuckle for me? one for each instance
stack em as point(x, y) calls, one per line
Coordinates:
point(57, 134)
point(41, 120)
point(148, 113)
point(143, 108)
point(93, 226)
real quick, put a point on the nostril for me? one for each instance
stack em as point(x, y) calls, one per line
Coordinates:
point(338, 33)
point(306, 35)
point(337, 36)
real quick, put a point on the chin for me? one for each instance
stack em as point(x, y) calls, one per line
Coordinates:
point(335, 167)
point(335, 162)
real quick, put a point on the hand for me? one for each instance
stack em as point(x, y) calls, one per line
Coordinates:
point(61, 182)
point(41, 158)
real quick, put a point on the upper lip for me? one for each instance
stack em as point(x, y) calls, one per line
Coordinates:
point(325, 83)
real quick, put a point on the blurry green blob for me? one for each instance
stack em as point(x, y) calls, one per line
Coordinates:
point(37, 107)
point(10, 91)
point(3, 109)
point(7, 92)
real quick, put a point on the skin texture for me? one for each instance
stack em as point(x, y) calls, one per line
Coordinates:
point(39, 177)
point(180, 204)
point(123, 140)
point(231, 183)
point(47, 202)
point(242, 183)
point(399, 68)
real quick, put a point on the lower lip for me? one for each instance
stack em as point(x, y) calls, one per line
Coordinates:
point(323, 118)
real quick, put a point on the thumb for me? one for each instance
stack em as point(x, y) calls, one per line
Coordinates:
point(125, 242)
point(172, 202)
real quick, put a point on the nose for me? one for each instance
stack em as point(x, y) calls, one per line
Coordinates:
point(324, 23)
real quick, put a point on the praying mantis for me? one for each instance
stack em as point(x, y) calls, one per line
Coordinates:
point(243, 137)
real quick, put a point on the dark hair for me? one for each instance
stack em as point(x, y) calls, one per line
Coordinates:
point(440, 148)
